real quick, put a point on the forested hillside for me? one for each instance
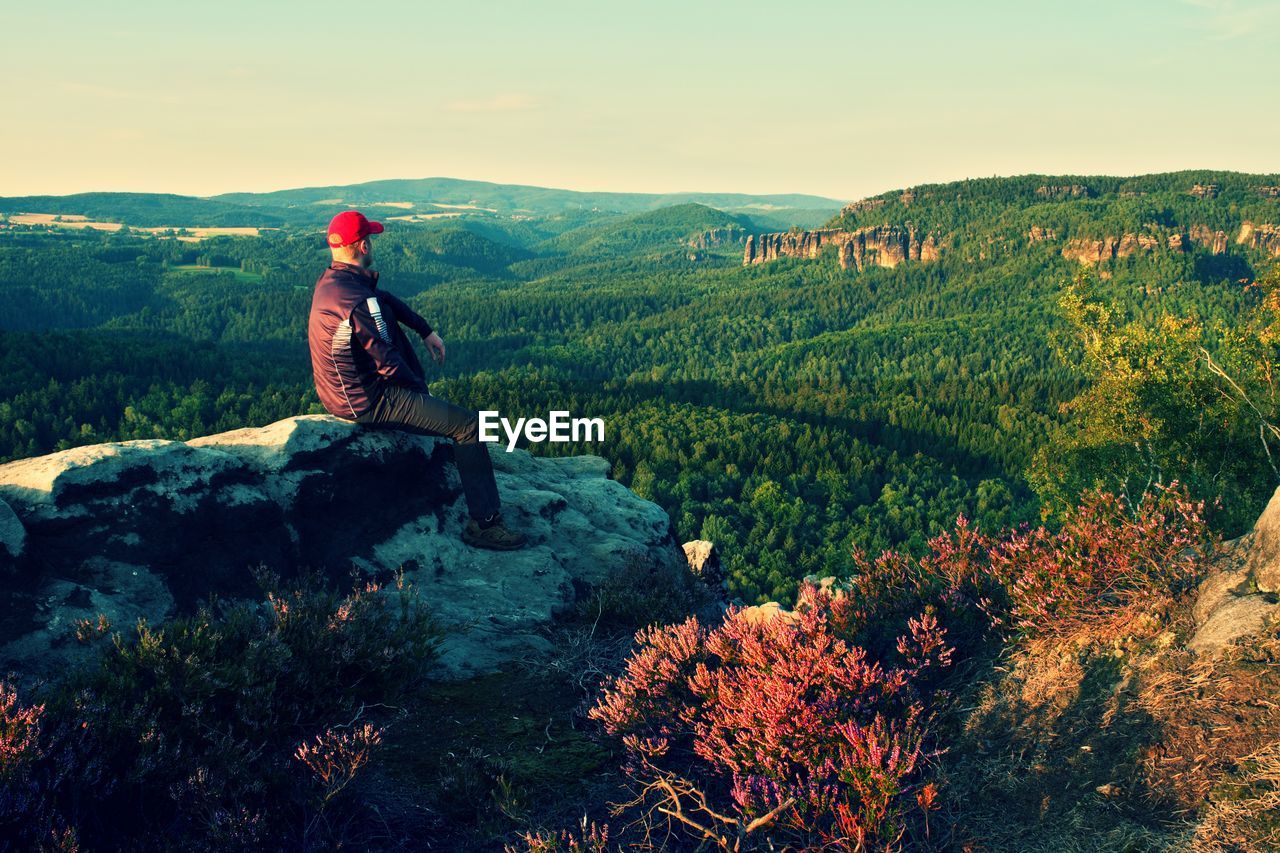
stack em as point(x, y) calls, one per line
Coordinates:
point(790, 411)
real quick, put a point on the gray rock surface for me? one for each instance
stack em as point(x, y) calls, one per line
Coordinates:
point(1262, 544)
point(13, 536)
point(1238, 599)
point(1238, 616)
point(150, 528)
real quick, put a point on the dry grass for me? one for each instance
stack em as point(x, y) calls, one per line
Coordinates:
point(1117, 738)
point(1246, 815)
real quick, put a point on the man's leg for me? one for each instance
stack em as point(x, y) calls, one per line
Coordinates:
point(413, 411)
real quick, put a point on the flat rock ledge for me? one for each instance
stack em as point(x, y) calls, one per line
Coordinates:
point(149, 529)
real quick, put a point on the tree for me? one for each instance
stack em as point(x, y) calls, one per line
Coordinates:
point(1178, 400)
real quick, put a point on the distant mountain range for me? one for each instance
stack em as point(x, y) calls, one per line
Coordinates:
point(411, 200)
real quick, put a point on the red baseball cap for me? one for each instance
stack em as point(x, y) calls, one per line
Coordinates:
point(350, 226)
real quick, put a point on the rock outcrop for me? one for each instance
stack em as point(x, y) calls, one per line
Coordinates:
point(1204, 190)
point(1088, 250)
point(718, 237)
point(862, 205)
point(1239, 598)
point(875, 245)
point(704, 562)
point(1064, 191)
point(149, 528)
point(1264, 238)
point(1207, 238)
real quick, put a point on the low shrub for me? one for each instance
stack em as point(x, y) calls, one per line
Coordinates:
point(1108, 557)
point(643, 591)
point(774, 727)
point(812, 728)
point(230, 728)
point(590, 838)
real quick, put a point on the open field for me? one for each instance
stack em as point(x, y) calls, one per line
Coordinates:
point(64, 220)
point(465, 207)
point(423, 217)
point(197, 234)
point(188, 235)
point(240, 274)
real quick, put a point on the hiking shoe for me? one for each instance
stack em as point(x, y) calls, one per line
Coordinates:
point(497, 536)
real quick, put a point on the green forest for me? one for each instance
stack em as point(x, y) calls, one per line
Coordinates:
point(792, 412)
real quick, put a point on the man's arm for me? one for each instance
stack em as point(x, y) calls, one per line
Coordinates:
point(390, 364)
point(414, 321)
point(405, 314)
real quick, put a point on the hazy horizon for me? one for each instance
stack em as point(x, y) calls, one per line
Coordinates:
point(841, 100)
point(701, 191)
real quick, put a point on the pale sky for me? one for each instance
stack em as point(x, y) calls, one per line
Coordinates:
point(843, 99)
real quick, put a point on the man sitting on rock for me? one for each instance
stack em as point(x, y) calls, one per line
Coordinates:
point(366, 371)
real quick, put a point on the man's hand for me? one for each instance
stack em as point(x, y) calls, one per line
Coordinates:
point(436, 345)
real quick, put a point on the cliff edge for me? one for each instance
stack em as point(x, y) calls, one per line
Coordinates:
point(149, 529)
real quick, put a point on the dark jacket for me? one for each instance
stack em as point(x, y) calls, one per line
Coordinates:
point(356, 341)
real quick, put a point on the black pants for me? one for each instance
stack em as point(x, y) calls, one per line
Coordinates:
point(403, 408)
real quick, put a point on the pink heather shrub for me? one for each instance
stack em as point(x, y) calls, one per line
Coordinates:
point(590, 838)
point(1107, 557)
point(335, 756)
point(812, 730)
point(33, 763)
point(768, 727)
point(19, 730)
point(951, 585)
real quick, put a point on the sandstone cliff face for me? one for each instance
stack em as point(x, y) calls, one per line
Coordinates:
point(148, 528)
point(862, 205)
point(1092, 251)
point(1264, 238)
point(718, 237)
point(906, 198)
point(1095, 251)
point(876, 245)
point(1204, 190)
point(1064, 191)
point(1206, 238)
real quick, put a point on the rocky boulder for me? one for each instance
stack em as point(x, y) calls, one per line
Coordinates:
point(149, 529)
point(704, 562)
point(1239, 598)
